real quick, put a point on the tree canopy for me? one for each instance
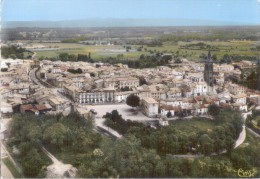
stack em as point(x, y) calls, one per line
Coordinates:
point(132, 100)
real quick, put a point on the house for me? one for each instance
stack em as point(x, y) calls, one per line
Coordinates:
point(143, 91)
point(4, 92)
point(163, 122)
point(158, 91)
point(172, 102)
point(58, 103)
point(71, 91)
point(225, 105)
point(201, 109)
point(173, 93)
point(195, 77)
point(83, 112)
point(186, 91)
point(43, 108)
point(26, 108)
point(200, 88)
point(236, 89)
point(168, 110)
point(240, 98)
point(121, 96)
point(219, 77)
point(121, 82)
point(5, 108)
point(149, 107)
point(239, 107)
point(35, 109)
point(96, 96)
point(224, 97)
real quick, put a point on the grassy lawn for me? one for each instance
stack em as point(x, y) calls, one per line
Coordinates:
point(193, 125)
point(105, 51)
point(26, 54)
point(12, 168)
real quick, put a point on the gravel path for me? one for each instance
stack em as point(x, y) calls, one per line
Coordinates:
point(241, 137)
point(58, 169)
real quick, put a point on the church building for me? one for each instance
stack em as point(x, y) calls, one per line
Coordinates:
point(208, 71)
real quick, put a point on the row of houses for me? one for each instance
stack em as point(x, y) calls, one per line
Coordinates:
point(187, 106)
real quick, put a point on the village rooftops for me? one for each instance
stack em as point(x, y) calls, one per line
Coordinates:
point(72, 88)
point(150, 100)
point(116, 78)
point(238, 96)
point(57, 100)
point(169, 107)
point(43, 107)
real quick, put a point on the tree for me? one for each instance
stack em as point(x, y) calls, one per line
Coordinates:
point(142, 81)
point(55, 134)
point(229, 144)
point(4, 69)
point(205, 144)
point(8, 64)
point(258, 123)
point(132, 100)
point(214, 110)
point(78, 71)
point(92, 74)
point(126, 88)
point(142, 57)
point(32, 163)
point(63, 56)
point(169, 114)
point(72, 57)
point(177, 60)
point(214, 58)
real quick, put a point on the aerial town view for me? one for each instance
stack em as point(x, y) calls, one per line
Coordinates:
point(130, 89)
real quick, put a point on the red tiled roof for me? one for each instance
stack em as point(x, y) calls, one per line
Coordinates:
point(42, 107)
point(169, 107)
point(225, 105)
point(26, 107)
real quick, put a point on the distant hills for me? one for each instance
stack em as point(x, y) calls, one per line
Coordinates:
point(111, 22)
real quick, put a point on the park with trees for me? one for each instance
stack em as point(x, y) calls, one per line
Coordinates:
point(142, 152)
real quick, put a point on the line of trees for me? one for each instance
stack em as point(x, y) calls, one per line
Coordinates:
point(15, 52)
point(75, 58)
point(211, 35)
point(115, 121)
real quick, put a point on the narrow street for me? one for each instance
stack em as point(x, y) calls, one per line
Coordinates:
point(241, 137)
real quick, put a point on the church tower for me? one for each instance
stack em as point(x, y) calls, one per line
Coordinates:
point(208, 71)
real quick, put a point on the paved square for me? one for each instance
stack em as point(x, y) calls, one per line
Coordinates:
point(126, 111)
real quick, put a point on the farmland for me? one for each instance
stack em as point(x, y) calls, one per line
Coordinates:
point(182, 49)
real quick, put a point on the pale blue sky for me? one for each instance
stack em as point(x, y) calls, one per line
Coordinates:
point(241, 11)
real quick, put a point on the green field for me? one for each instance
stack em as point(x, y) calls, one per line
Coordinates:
point(193, 125)
point(242, 48)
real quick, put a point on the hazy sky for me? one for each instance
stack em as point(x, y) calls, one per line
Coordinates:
point(241, 11)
